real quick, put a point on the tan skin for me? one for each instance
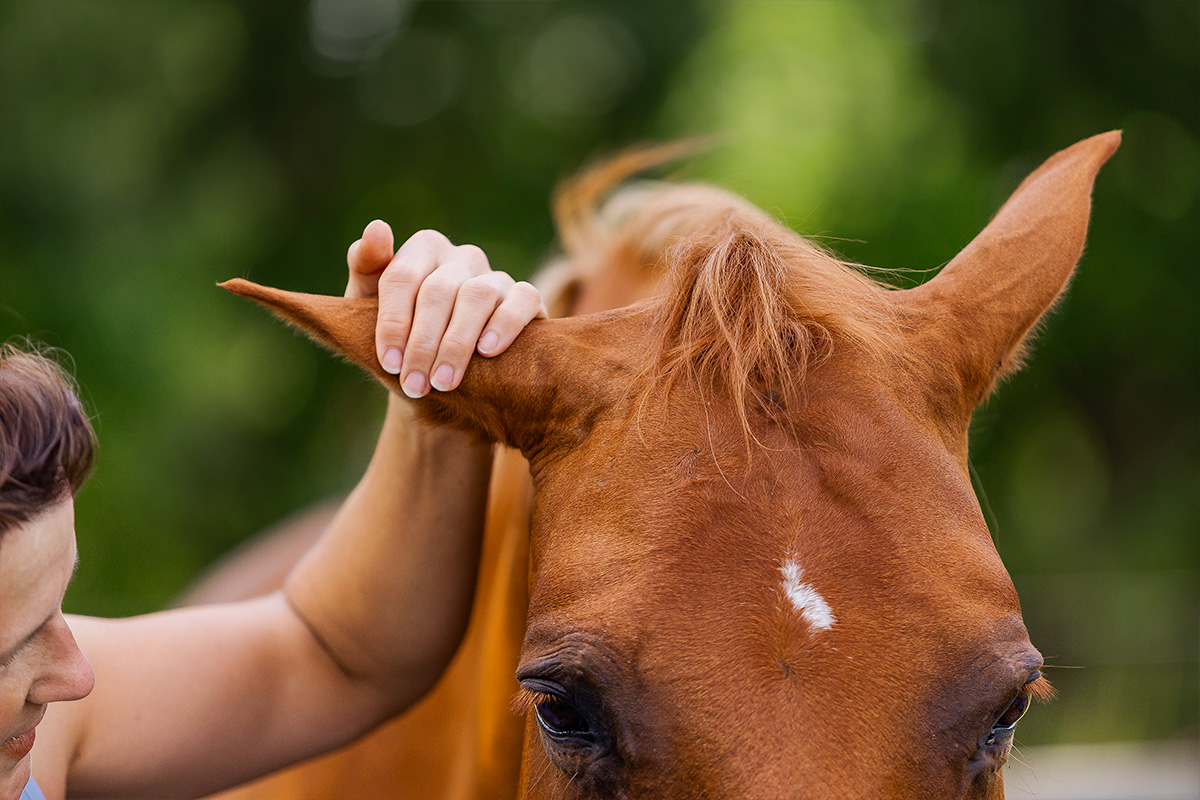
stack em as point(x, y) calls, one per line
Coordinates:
point(186, 702)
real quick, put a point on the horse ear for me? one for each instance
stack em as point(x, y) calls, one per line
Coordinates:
point(970, 322)
point(530, 397)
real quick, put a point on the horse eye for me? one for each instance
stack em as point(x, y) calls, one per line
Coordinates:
point(1013, 713)
point(1006, 723)
point(562, 720)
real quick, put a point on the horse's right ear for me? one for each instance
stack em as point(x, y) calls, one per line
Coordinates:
point(530, 397)
point(972, 320)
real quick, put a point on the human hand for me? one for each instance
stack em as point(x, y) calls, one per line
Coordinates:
point(438, 303)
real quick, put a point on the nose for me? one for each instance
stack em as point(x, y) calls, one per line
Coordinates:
point(66, 672)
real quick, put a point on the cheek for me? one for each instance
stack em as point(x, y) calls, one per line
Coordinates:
point(14, 689)
point(986, 787)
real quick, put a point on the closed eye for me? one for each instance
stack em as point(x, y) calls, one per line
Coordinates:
point(16, 651)
point(1037, 687)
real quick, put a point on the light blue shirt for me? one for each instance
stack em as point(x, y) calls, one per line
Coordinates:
point(32, 792)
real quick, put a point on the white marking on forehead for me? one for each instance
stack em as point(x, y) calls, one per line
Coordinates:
point(804, 598)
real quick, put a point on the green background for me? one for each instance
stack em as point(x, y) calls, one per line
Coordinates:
point(149, 150)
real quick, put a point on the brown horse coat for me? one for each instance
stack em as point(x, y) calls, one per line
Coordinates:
point(758, 568)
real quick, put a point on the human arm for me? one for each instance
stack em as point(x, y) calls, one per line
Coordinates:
point(192, 700)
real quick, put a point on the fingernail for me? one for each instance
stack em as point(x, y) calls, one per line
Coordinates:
point(414, 385)
point(488, 342)
point(443, 377)
point(391, 360)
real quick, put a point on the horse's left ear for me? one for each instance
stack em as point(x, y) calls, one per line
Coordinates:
point(970, 321)
point(537, 396)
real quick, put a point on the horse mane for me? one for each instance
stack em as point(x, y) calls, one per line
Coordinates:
point(747, 306)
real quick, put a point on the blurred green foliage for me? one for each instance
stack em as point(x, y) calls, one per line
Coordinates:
point(149, 150)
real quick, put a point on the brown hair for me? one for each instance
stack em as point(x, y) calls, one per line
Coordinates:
point(47, 445)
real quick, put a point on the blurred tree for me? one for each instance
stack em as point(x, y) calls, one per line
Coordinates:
point(150, 150)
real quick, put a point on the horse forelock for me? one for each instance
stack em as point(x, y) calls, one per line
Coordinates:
point(750, 307)
point(746, 305)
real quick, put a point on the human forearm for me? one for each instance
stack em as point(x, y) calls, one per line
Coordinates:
point(193, 700)
point(388, 589)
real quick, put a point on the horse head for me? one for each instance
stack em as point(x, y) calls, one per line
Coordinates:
point(758, 568)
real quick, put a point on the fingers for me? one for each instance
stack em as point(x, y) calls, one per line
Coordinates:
point(417, 295)
point(520, 306)
point(488, 313)
point(412, 271)
point(367, 258)
point(438, 304)
point(474, 305)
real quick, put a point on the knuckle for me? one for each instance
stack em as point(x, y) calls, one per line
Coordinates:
point(473, 255)
point(390, 329)
point(455, 346)
point(505, 317)
point(420, 350)
point(527, 290)
point(477, 291)
point(439, 285)
point(428, 238)
point(400, 276)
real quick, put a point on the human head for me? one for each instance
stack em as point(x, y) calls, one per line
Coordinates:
point(46, 451)
point(47, 446)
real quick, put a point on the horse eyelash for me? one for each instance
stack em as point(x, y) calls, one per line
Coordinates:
point(1040, 690)
point(525, 700)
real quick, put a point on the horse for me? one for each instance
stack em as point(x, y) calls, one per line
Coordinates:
point(757, 567)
